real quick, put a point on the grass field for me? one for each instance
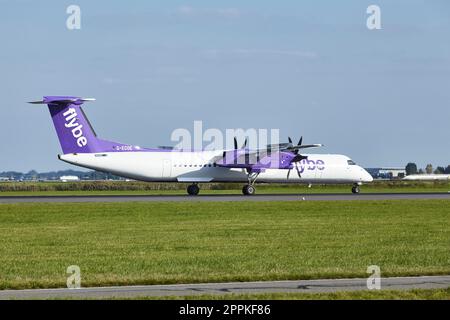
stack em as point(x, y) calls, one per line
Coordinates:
point(143, 188)
point(149, 243)
point(431, 294)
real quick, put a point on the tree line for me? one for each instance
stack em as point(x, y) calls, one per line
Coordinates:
point(411, 168)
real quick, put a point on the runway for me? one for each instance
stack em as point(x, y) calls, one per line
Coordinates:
point(298, 286)
point(226, 198)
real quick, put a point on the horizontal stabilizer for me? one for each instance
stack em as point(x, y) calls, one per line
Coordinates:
point(62, 100)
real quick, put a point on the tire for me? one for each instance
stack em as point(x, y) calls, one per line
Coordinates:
point(248, 190)
point(193, 190)
point(355, 189)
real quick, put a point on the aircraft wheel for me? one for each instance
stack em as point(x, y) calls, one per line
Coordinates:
point(355, 189)
point(248, 190)
point(193, 190)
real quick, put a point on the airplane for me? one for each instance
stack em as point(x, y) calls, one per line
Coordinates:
point(277, 163)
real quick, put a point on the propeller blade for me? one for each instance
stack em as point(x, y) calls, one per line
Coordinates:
point(300, 141)
point(289, 172)
point(235, 143)
point(290, 140)
point(298, 171)
point(245, 143)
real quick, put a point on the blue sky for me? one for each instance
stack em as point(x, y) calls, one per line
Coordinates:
point(312, 68)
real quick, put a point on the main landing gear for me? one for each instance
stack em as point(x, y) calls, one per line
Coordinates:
point(249, 189)
point(355, 188)
point(193, 189)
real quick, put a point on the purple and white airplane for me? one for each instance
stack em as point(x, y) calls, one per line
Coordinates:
point(275, 163)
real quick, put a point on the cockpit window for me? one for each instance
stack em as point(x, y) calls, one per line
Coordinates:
point(351, 162)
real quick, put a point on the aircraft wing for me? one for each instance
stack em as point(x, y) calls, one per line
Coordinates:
point(275, 156)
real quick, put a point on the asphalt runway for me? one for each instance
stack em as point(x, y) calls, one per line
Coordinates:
point(227, 198)
point(299, 286)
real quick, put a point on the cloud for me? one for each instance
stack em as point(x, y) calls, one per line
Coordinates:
point(229, 13)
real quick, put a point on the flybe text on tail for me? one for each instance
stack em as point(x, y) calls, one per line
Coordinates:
point(71, 122)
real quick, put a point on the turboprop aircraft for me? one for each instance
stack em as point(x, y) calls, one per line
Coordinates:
point(280, 163)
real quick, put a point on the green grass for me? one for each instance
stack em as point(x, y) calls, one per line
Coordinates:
point(150, 243)
point(416, 294)
point(141, 188)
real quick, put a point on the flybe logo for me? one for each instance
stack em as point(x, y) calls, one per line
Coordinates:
point(71, 122)
point(311, 165)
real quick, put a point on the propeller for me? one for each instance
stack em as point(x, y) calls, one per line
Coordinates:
point(296, 168)
point(300, 145)
point(289, 146)
point(236, 144)
point(235, 152)
point(295, 148)
point(298, 157)
point(299, 141)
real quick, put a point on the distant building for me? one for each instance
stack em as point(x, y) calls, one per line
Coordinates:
point(387, 172)
point(69, 178)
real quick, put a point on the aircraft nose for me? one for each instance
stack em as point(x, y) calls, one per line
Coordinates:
point(366, 177)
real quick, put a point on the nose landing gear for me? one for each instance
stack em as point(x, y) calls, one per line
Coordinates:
point(355, 189)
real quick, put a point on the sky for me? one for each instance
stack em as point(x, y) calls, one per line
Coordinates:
point(309, 68)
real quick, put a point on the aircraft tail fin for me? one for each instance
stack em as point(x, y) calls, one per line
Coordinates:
point(74, 131)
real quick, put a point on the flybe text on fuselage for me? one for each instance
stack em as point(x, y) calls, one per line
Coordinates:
point(311, 165)
point(71, 122)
